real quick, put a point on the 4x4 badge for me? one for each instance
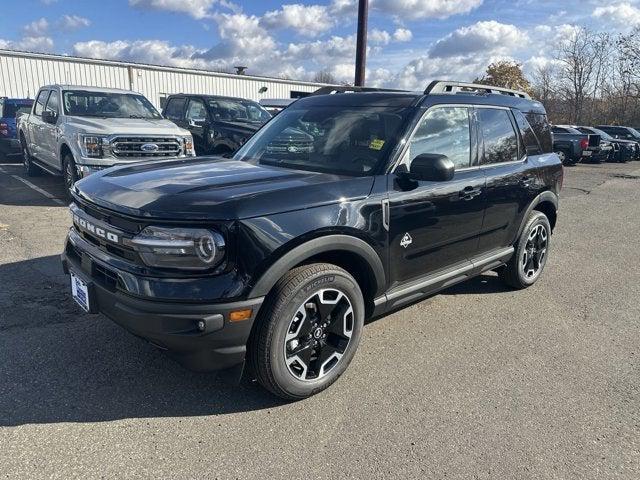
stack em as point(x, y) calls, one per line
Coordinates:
point(406, 240)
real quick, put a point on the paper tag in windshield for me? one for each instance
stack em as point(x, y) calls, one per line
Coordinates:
point(376, 144)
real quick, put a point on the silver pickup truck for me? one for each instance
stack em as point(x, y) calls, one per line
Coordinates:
point(74, 131)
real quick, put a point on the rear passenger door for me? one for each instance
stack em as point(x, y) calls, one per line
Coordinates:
point(511, 181)
point(36, 124)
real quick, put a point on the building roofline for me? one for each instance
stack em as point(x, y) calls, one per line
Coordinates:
point(148, 66)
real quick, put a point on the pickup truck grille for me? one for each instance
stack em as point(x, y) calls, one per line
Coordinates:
point(146, 147)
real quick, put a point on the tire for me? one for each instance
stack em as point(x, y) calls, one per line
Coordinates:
point(282, 349)
point(27, 160)
point(530, 256)
point(69, 172)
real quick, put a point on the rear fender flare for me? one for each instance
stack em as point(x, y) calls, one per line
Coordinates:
point(546, 196)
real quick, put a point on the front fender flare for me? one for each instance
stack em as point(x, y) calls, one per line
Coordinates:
point(324, 244)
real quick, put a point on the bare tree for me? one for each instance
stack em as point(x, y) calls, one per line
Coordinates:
point(576, 56)
point(324, 76)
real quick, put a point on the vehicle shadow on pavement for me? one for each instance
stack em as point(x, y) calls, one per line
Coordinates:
point(40, 191)
point(58, 364)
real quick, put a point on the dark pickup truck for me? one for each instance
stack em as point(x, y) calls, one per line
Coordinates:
point(278, 255)
point(573, 146)
point(623, 150)
point(624, 133)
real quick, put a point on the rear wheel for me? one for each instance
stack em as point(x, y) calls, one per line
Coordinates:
point(29, 167)
point(308, 331)
point(530, 256)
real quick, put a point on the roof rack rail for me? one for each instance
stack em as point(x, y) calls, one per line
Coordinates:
point(442, 86)
point(348, 89)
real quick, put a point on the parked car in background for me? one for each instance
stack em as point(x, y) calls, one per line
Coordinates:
point(573, 146)
point(623, 150)
point(275, 105)
point(219, 125)
point(74, 131)
point(10, 109)
point(624, 133)
point(278, 255)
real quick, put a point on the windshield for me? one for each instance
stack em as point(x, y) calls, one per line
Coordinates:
point(229, 110)
point(108, 105)
point(635, 132)
point(334, 139)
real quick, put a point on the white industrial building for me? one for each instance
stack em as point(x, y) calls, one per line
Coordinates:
point(22, 74)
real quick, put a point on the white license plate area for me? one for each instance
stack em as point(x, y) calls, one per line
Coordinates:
point(80, 291)
point(587, 153)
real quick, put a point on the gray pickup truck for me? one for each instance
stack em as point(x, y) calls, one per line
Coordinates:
point(573, 146)
point(74, 131)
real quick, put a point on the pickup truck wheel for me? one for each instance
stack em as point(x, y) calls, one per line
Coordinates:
point(562, 156)
point(30, 169)
point(307, 331)
point(530, 256)
point(69, 171)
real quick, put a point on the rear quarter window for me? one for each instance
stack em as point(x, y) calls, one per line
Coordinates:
point(531, 143)
point(542, 129)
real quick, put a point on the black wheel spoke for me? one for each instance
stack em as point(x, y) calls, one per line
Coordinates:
point(318, 334)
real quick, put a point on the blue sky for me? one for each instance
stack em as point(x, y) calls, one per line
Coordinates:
point(410, 41)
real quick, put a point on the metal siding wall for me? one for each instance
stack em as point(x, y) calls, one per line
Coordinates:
point(22, 76)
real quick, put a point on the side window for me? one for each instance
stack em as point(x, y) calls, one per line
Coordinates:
point(444, 131)
point(52, 104)
point(196, 111)
point(175, 109)
point(1, 108)
point(40, 102)
point(529, 138)
point(500, 141)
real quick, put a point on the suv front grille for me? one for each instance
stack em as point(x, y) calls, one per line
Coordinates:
point(143, 147)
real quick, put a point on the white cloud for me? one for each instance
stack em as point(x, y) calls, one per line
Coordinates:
point(623, 14)
point(402, 35)
point(379, 37)
point(415, 9)
point(41, 44)
point(198, 9)
point(343, 7)
point(36, 28)
point(483, 37)
point(308, 20)
point(144, 51)
point(73, 22)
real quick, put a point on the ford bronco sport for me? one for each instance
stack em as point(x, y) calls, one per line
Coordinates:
point(343, 207)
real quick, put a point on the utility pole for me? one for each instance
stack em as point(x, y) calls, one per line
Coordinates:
point(361, 45)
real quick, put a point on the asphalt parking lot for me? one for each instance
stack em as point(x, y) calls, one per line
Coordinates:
point(479, 382)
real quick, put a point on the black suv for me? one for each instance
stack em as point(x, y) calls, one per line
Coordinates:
point(343, 207)
point(623, 133)
point(219, 125)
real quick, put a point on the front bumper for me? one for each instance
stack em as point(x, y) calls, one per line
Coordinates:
point(171, 326)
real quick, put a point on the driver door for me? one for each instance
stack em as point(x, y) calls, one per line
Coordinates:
point(197, 120)
point(436, 225)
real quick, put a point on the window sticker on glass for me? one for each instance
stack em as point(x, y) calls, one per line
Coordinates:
point(376, 144)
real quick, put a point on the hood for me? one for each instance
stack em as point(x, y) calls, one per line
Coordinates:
point(126, 126)
point(212, 188)
point(239, 127)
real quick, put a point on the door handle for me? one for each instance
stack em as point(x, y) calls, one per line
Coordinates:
point(469, 193)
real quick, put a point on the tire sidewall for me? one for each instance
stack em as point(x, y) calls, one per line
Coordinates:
point(538, 218)
point(281, 375)
point(66, 161)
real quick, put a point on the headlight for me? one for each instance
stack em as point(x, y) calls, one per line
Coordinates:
point(189, 150)
point(95, 146)
point(184, 248)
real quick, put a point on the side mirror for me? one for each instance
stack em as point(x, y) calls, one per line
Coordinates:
point(49, 117)
point(197, 122)
point(432, 167)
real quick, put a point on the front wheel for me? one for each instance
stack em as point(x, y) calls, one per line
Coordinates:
point(530, 256)
point(69, 172)
point(307, 331)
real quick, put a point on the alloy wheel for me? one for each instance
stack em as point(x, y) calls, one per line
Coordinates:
point(318, 335)
point(68, 175)
point(534, 254)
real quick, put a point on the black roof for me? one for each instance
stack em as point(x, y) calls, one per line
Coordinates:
point(382, 98)
point(208, 96)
